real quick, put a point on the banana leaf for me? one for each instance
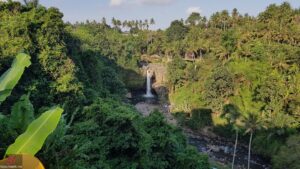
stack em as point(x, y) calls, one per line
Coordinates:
point(34, 137)
point(10, 78)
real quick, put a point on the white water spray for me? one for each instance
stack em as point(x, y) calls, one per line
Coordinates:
point(148, 90)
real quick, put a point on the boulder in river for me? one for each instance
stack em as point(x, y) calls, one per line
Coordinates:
point(129, 95)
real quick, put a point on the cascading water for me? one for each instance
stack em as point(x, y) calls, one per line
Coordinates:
point(148, 89)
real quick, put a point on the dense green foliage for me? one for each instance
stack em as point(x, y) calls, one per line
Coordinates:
point(84, 67)
point(22, 114)
point(251, 63)
point(288, 155)
point(115, 136)
point(32, 140)
point(243, 71)
point(177, 31)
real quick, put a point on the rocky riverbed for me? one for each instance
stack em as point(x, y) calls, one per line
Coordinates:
point(217, 148)
point(221, 150)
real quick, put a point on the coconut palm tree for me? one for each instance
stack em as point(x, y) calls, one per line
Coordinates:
point(114, 22)
point(125, 24)
point(33, 2)
point(152, 21)
point(232, 113)
point(146, 23)
point(252, 122)
point(141, 24)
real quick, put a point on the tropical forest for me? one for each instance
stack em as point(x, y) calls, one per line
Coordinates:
point(206, 92)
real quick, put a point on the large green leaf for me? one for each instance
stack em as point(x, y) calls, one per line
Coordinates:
point(34, 137)
point(11, 77)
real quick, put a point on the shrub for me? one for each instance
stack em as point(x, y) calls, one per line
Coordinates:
point(288, 155)
point(200, 118)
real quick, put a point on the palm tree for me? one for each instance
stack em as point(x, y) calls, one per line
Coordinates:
point(125, 24)
point(114, 22)
point(33, 2)
point(232, 113)
point(152, 22)
point(119, 23)
point(146, 24)
point(136, 24)
point(252, 123)
point(250, 119)
point(103, 21)
point(130, 24)
point(25, 2)
point(140, 24)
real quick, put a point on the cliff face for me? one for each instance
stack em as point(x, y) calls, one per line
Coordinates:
point(159, 72)
point(159, 79)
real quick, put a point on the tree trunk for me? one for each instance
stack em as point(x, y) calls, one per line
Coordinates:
point(235, 146)
point(249, 152)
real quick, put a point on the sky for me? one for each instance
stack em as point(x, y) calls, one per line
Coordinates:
point(163, 11)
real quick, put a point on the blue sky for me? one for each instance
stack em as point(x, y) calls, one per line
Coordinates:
point(163, 11)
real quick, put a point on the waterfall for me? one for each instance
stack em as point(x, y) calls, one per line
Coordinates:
point(148, 89)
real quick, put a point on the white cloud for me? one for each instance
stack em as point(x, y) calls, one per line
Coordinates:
point(140, 2)
point(193, 9)
point(116, 2)
point(155, 2)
